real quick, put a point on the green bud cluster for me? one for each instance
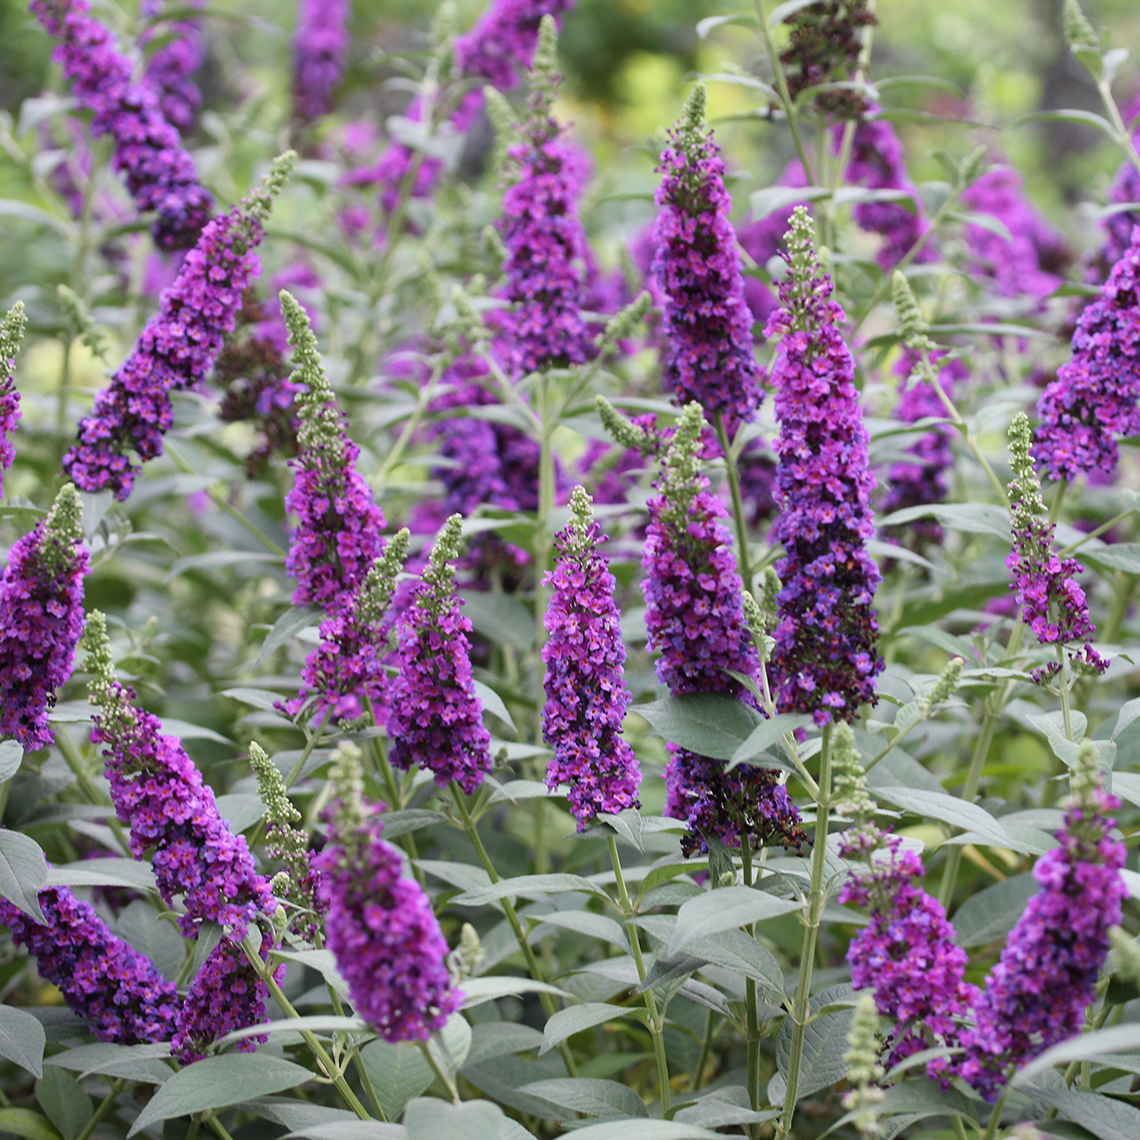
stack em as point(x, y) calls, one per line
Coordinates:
point(625, 433)
point(81, 322)
point(681, 468)
point(259, 203)
point(848, 778)
point(439, 574)
point(347, 778)
point(1079, 33)
point(375, 595)
point(117, 716)
point(62, 530)
point(863, 1068)
point(912, 324)
point(943, 688)
point(12, 328)
point(322, 431)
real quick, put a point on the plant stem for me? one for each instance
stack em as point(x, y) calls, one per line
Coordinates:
point(548, 1004)
point(706, 1052)
point(656, 1021)
point(743, 557)
point(105, 1106)
point(217, 1126)
point(752, 1062)
point(1074, 546)
point(323, 1059)
point(443, 1076)
point(801, 1007)
point(995, 1116)
point(782, 87)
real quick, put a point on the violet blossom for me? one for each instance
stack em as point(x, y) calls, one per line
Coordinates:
point(11, 333)
point(103, 979)
point(707, 352)
point(177, 347)
point(380, 925)
point(586, 694)
point(170, 69)
point(160, 173)
point(695, 619)
point(320, 44)
point(825, 660)
point(435, 718)
point(41, 618)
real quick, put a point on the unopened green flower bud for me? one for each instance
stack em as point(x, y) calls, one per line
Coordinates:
point(943, 688)
point(863, 1068)
point(1125, 955)
point(1079, 33)
point(912, 324)
point(848, 779)
point(1085, 778)
point(625, 433)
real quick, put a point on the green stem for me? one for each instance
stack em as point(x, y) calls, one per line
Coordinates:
point(1121, 602)
point(743, 557)
point(1122, 135)
point(801, 1007)
point(323, 1059)
point(217, 1126)
point(656, 1021)
point(706, 1051)
point(105, 1106)
point(995, 1116)
point(1063, 689)
point(1058, 499)
point(1074, 546)
point(441, 1073)
point(545, 507)
point(752, 1062)
point(546, 999)
point(785, 95)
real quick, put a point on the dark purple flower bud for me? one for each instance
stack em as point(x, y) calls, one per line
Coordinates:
point(41, 618)
point(160, 174)
point(824, 43)
point(102, 979)
point(320, 44)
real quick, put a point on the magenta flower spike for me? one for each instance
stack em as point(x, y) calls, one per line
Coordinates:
point(102, 979)
point(41, 618)
point(1045, 979)
point(177, 347)
point(825, 660)
point(1094, 397)
point(160, 174)
point(695, 619)
point(11, 333)
point(170, 70)
point(586, 694)
point(380, 925)
point(320, 45)
point(707, 350)
point(435, 719)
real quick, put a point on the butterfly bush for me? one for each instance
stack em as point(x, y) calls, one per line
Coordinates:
point(160, 174)
point(380, 925)
point(41, 619)
point(11, 331)
point(825, 660)
point(586, 694)
point(320, 45)
point(171, 68)
point(103, 979)
point(177, 347)
point(695, 619)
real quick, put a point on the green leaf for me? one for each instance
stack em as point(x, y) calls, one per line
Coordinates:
point(528, 885)
point(645, 1130)
point(764, 735)
point(974, 518)
point(741, 953)
point(861, 195)
point(1103, 1116)
point(134, 1062)
point(725, 909)
point(11, 756)
point(450, 1045)
point(710, 724)
point(397, 1074)
point(825, 1042)
point(478, 990)
point(23, 872)
point(218, 560)
point(319, 1023)
point(67, 1106)
point(596, 926)
point(30, 1125)
point(186, 731)
point(1117, 1039)
point(110, 872)
point(13, 208)
point(949, 810)
point(589, 1096)
point(711, 23)
point(983, 221)
point(1119, 556)
point(410, 819)
point(1071, 116)
point(789, 8)
point(320, 960)
point(287, 626)
point(429, 1119)
point(351, 1130)
point(240, 810)
point(500, 617)
point(493, 703)
point(22, 1039)
point(992, 328)
point(218, 1082)
point(264, 699)
point(768, 201)
point(993, 913)
point(576, 1018)
point(1129, 711)
point(515, 791)
point(725, 1105)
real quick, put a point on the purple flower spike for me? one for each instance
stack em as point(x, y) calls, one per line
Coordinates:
point(708, 325)
point(1095, 394)
point(436, 719)
point(177, 347)
point(11, 333)
point(586, 694)
point(547, 256)
point(171, 68)
point(1046, 976)
point(337, 537)
point(319, 47)
point(41, 618)
point(159, 794)
point(103, 979)
point(380, 926)
point(695, 619)
point(226, 994)
point(160, 174)
point(825, 660)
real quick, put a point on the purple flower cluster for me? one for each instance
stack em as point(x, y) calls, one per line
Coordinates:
point(41, 618)
point(11, 331)
point(708, 325)
point(160, 174)
point(586, 694)
point(879, 163)
point(171, 68)
point(158, 792)
point(102, 979)
point(1125, 188)
point(922, 480)
point(1095, 393)
point(435, 719)
point(695, 619)
point(824, 42)
point(907, 956)
point(320, 44)
point(1045, 979)
point(226, 994)
point(175, 351)
point(381, 928)
point(547, 255)
point(825, 659)
point(1027, 265)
